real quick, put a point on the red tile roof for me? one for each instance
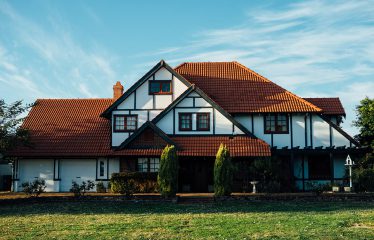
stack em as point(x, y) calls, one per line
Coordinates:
point(74, 128)
point(67, 127)
point(238, 89)
point(329, 106)
point(239, 146)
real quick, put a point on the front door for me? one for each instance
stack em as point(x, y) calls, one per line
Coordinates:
point(196, 175)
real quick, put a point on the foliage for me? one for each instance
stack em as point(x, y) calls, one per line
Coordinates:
point(80, 190)
point(129, 183)
point(316, 187)
point(100, 188)
point(365, 122)
point(11, 132)
point(269, 172)
point(168, 173)
point(34, 188)
point(363, 179)
point(363, 173)
point(223, 172)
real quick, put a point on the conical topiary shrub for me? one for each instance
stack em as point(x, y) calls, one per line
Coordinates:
point(223, 172)
point(168, 173)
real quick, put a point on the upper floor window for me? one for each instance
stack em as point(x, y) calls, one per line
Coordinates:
point(276, 123)
point(125, 123)
point(202, 121)
point(160, 87)
point(185, 121)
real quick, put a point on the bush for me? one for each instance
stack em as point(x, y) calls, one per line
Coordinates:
point(129, 183)
point(223, 172)
point(34, 188)
point(80, 190)
point(363, 179)
point(100, 188)
point(168, 173)
point(318, 188)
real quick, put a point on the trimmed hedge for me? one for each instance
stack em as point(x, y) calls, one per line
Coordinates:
point(223, 172)
point(133, 182)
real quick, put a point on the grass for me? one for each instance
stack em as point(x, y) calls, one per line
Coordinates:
point(227, 220)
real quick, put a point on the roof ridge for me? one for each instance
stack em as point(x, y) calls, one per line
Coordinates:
point(180, 65)
point(62, 99)
point(286, 91)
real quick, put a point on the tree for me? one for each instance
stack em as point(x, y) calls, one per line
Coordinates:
point(223, 172)
point(168, 173)
point(364, 172)
point(365, 123)
point(11, 132)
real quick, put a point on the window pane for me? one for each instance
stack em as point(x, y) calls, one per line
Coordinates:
point(185, 121)
point(131, 122)
point(143, 164)
point(203, 121)
point(154, 164)
point(101, 168)
point(166, 87)
point(119, 123)
point(154, 87)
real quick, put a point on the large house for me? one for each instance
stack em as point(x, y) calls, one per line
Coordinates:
point(196, 107)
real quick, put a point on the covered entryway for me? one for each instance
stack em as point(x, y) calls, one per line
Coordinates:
point(196, 174)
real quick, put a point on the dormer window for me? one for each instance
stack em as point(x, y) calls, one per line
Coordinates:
point(125, 123)
point(159, 87)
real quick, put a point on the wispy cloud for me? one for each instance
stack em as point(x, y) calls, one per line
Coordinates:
point(53, 52)
point(313, 45)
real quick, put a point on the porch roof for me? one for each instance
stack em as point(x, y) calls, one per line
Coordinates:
point(207, 146)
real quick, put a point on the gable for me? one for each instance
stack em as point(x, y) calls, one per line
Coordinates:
point(147, 139)
point(138, 97)
point(194, 101)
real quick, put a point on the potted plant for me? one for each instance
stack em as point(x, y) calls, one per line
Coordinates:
point(335, 188)
point(347, 189)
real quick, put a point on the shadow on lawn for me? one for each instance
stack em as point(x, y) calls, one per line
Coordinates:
point(99, 207)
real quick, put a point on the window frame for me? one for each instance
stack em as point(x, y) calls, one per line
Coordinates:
point(148, 163)
point(160, 82)
point(180, 121)
point(198, 116)
point(276, 115)
point(125, 122)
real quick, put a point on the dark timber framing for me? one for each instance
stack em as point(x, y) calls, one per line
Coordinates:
point(291, 129)
point(151, 125)
point(209, 100)
point(158, 66)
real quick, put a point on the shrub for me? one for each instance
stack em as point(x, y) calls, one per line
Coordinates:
point(100, 188)
point(223, 172)
point(363, 179)
point(129, 183)
point(80, 190)
point(168, 173)
point(34, 188)
point(318, 188)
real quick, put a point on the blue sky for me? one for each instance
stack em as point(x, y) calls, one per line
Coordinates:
point(78, 49)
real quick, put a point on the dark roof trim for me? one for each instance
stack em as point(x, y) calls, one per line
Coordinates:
point(157, 67)
point(151, 125)
point(209, 100)
point(337, 128)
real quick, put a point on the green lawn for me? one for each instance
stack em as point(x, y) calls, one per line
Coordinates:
point(121, 220)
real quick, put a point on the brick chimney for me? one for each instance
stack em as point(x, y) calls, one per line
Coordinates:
point(117, 90)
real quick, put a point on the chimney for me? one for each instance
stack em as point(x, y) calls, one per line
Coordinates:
point(117, 90)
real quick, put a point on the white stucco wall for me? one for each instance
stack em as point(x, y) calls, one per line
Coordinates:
point(143, 104)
